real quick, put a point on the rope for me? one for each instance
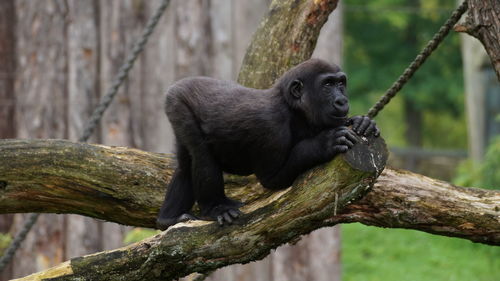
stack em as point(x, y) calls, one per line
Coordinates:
point(122, 73)
point(14, 245)
point(94, 119)
point(418, 61)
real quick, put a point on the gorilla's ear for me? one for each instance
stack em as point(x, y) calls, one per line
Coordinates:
point(296, 89)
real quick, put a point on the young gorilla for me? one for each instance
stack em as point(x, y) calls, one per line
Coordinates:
point(276, 134)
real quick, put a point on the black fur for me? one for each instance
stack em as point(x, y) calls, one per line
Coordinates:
point(275, 134)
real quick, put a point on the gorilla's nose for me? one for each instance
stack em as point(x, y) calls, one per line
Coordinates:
point(340, 101)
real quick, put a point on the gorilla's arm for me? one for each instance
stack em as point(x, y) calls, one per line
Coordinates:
point(322, 148)
point(307, 154)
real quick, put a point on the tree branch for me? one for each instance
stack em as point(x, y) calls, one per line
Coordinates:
point(401, 199)
point(483, 22)
point(116, 184)
point(127, 185)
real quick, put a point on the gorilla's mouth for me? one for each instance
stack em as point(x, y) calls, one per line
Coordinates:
point(339, 114)
point(338, 120)
point(340, 111)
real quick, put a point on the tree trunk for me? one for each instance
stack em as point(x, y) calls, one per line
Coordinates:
point(413, 132)
point(246, 18)
point(41, 84)
point(285, 38)
point(7, 69)
point(192, 33)
point(476, 67)
point(482, 22)
point(82, 234)
point(7, 95)
point(412, 114)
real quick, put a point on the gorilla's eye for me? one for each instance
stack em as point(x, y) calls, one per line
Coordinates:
point(328, 84)
point(343, 80)
point(327, 87)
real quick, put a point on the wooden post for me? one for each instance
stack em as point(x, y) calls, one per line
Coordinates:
point(41, 112)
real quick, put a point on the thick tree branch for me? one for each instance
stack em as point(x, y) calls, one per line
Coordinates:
point(483, 22)
point(116, 184)
point(401, 199)
point(92, 177)
point(127, 186)
point(54, 176)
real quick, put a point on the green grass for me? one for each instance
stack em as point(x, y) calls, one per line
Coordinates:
point(372, 254)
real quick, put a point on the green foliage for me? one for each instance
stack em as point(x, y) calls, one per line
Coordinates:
point(444, 123)
point(389, 122)
point(491, 166)
point(484, 175)
point(5, 240)
point(467, 175)
point(381, 41)
point(381, 38)
point(371, 254)
point(137, 234)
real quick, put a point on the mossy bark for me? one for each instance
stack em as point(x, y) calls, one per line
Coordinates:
point(401, 199)
point(133, 181)
point(285, 38)
point(127, 186)
point(55, 176)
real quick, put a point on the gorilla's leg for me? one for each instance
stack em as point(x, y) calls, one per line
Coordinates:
point(179, 197)
point(208, 187)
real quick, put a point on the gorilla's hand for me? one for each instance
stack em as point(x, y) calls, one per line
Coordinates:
point(363, 126)
point(337, 140)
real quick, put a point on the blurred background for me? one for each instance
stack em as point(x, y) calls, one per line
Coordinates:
point(58, 57)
